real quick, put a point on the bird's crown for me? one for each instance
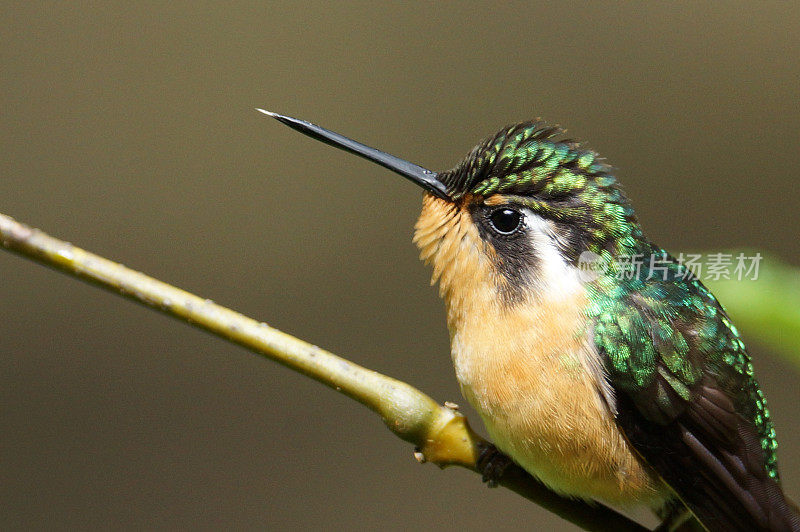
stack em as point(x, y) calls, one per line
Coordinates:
point(556, 178)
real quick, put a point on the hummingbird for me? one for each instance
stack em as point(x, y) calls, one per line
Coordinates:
point(632, 388)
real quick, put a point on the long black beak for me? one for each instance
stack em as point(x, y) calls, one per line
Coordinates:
point(417, 174)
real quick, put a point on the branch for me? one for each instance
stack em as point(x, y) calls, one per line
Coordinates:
point(440, 434)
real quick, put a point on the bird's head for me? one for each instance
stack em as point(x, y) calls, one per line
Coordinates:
point(515, 218)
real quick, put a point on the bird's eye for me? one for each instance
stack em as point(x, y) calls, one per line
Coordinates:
point(505, 221)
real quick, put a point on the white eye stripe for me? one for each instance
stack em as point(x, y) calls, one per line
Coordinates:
point(554, 274)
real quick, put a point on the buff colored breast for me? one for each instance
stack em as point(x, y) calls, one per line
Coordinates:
point(530, 369)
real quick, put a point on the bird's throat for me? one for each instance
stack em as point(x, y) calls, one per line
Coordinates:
point(529, 368)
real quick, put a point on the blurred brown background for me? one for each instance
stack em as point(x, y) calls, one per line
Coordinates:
point(129, 129)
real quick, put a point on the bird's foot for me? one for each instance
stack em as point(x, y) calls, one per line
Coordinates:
point(492, 464)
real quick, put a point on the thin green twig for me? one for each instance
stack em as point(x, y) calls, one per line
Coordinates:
point(441, 435)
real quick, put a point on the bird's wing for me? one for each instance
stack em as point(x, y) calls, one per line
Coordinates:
point(687, 401)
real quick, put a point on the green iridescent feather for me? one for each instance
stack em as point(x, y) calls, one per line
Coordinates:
point(670, 329)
